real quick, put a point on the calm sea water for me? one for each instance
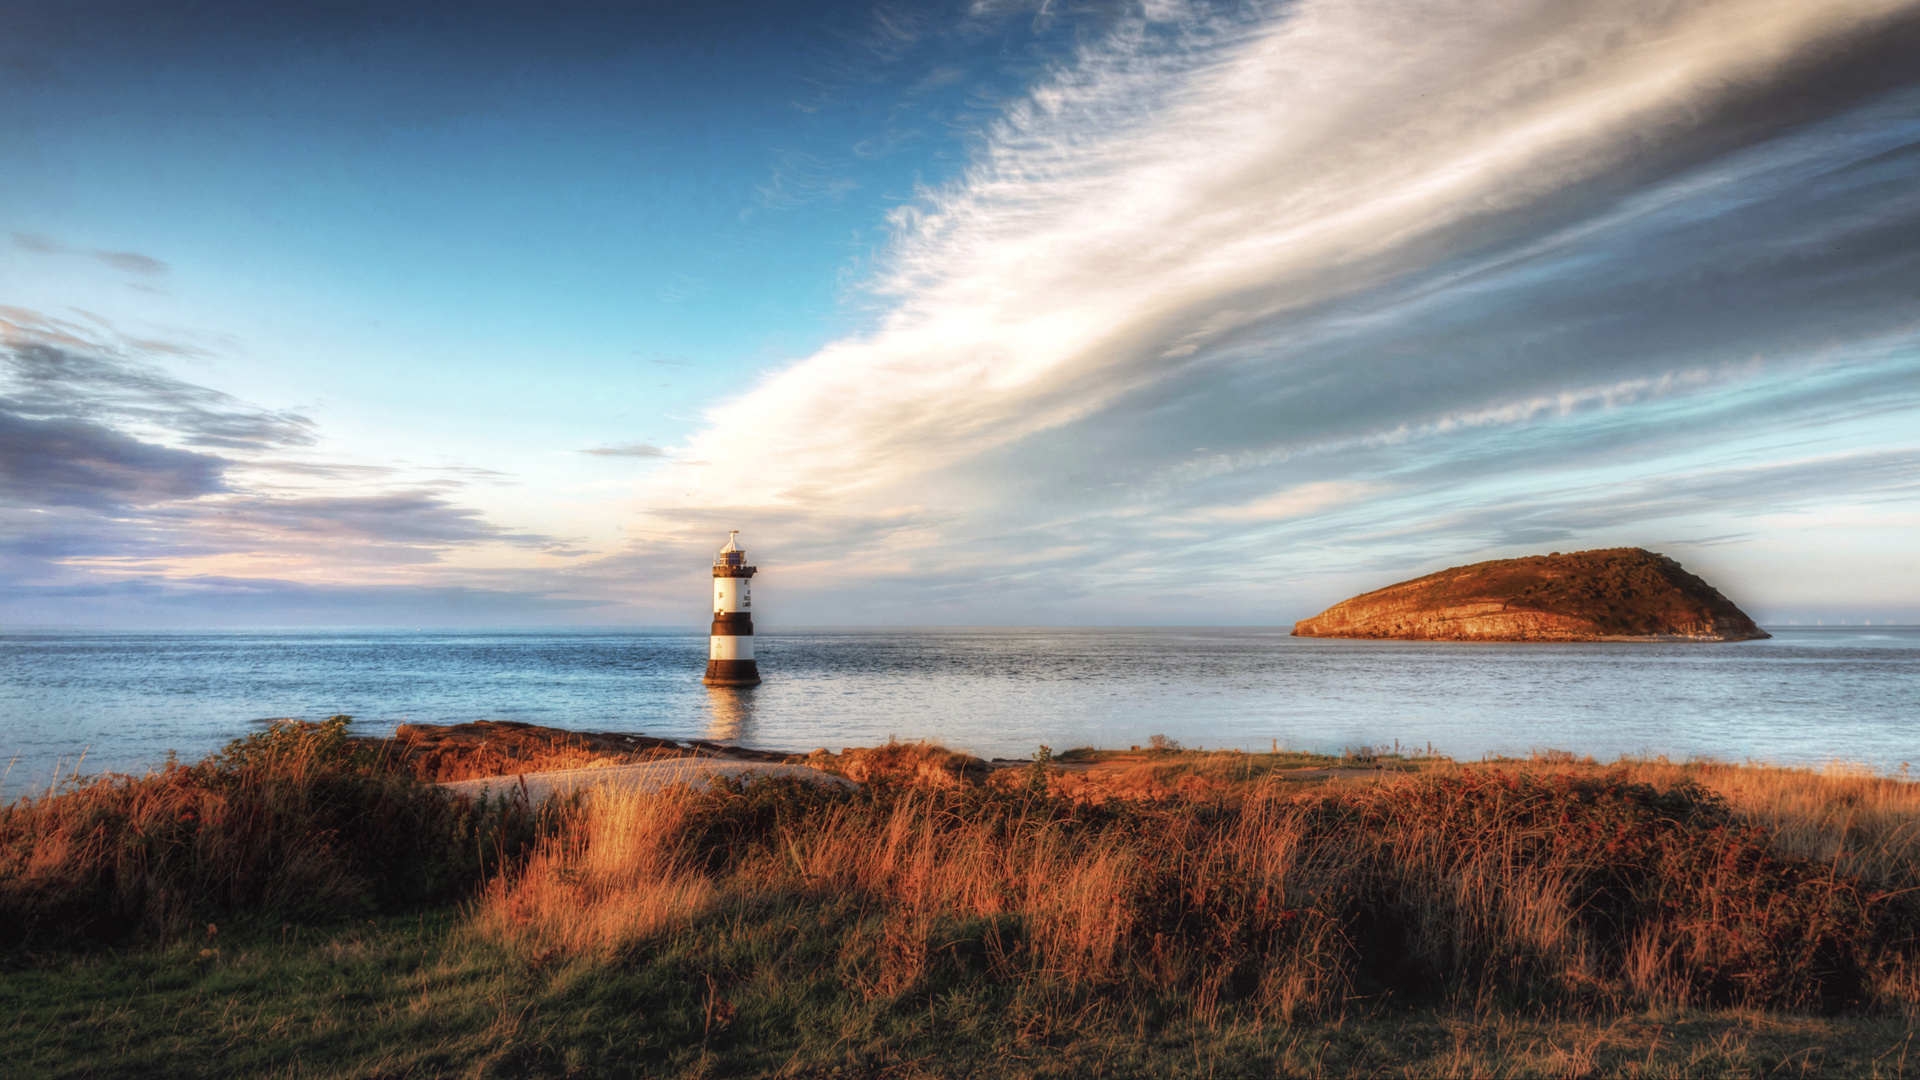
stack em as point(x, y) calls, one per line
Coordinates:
point(1807, 695)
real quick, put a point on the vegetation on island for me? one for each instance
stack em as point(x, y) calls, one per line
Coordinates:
point(1609, 595)
point(302, 905)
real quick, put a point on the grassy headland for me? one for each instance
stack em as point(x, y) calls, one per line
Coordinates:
point(305, 905)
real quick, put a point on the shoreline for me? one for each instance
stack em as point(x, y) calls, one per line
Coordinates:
point(465, 758)
point(459, 755)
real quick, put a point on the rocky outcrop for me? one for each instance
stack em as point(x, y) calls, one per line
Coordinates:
point(441, 753)
point(1619, 594)
point(920, 764)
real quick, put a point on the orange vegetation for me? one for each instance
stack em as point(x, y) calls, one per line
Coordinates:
point(441, 753)
point(919, 763)
point(298, 821)
point(1580, 888)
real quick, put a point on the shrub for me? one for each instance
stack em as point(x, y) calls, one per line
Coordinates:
point(1586, 886)
point(924, 764)
point(293, 822)
point(1041, 770)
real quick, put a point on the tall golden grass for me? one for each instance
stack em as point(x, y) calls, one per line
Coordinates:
point(1477, 886)
point(1865, 824)
point(606, 875)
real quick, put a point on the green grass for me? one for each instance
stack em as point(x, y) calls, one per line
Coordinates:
point(778, 991)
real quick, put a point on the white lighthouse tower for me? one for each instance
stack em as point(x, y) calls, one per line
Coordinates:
point(730, 649)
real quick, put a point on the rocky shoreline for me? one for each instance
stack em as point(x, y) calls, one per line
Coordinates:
point(500, 756)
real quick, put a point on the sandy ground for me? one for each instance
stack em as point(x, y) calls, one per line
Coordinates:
point(648, 776)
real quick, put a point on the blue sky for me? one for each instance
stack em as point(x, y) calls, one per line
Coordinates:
point(963, 313)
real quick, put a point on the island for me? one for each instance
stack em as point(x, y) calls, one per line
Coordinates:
point(1615, 594)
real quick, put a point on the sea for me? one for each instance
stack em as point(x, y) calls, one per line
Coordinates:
point(93, 702)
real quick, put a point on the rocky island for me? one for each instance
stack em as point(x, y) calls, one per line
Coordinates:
point(1617, 594)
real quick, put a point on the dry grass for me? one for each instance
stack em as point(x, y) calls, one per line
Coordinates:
point(1173, 773)
point(922, 763)
point(1477, 887)
point(296, 822)
point(604, 878)
point(1864, 824)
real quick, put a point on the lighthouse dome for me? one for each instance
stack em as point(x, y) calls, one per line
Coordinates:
point(731, 555)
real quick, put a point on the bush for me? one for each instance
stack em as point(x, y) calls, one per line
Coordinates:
point(294, 822)
point(1041, 770)
point(1585, 887)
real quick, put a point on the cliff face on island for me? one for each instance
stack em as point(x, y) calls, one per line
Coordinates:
point(1619, 594)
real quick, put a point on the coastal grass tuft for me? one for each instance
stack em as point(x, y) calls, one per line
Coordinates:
point(298, 822)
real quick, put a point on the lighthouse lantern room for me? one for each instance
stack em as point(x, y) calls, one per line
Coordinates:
point(730, 649)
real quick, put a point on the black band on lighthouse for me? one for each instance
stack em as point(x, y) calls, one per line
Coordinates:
point(732, 673)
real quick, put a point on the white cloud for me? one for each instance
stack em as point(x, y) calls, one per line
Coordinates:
point(1292, 503)
point(1183, 210)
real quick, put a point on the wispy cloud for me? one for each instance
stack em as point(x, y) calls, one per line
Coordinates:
point(637, 450)
point(56, 369)
point(131, 262)
point(215, 600)
point(111, 467)
point(421, 520)
point(1342, 246)
point(1291, 503)
point(41, 245)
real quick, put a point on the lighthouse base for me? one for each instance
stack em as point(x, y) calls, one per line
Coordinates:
point(732, 673)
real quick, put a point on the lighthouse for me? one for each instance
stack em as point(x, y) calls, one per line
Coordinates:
point(730, 649)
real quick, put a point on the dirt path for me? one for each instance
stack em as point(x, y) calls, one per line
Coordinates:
point(648, 776)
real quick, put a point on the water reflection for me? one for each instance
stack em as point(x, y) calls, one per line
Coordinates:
point(732, 713)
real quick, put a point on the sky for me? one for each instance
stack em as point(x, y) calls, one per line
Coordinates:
point(1036, 313)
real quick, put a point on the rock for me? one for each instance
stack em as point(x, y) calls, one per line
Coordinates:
point(921, 764)
point(1618, 594)
point(441, 753)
